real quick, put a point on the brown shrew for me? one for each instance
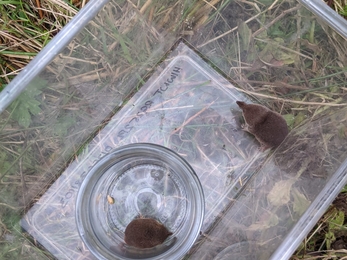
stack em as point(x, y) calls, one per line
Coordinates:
point(267, 126)
point(145, 233)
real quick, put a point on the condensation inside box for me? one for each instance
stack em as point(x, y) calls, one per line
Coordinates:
point(185, 106)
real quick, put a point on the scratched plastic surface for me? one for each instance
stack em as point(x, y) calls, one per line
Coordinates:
point(184, 106)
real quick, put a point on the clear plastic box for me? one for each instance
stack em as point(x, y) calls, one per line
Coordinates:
point(119, 74)
point(328, 15)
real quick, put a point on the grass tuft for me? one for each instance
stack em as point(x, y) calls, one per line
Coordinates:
point(26, 27)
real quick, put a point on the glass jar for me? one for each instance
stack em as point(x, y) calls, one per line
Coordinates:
point(139, 180)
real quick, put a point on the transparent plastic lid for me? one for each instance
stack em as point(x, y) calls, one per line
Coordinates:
point(185, 106)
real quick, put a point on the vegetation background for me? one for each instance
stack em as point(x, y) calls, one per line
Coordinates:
point(27, 26)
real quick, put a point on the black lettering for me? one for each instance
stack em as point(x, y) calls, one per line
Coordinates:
point(94, 162)
point(128, 128)
point(161, 88)
point(140, 114)
point(177, 69)
point(149, 103)
point(68, 195)
point(156, 92)
point(121, 133)
point(76, 185)
point(134, 118)
point(63, 203)
point(84, 174)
